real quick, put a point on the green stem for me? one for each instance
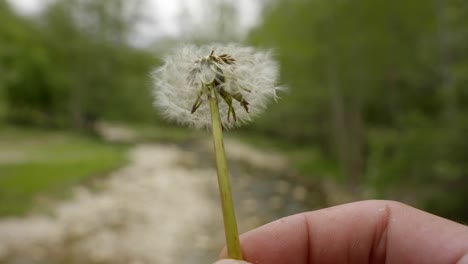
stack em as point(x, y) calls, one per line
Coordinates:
point(229, 215)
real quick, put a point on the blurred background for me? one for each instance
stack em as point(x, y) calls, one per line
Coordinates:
point(377, 108)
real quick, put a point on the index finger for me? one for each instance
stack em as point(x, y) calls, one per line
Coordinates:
point(361, 232)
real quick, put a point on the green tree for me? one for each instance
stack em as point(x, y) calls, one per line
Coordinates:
point(380, 86)
point(73, 65)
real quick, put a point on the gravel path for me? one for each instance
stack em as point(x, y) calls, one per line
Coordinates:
point(162, 208)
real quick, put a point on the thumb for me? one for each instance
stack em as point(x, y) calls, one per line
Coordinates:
point(230, 261)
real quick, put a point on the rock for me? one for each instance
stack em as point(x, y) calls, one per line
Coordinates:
point(300, 193)
point(276, 202)
point(282, 187)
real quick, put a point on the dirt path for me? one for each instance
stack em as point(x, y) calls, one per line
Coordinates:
point(162, 208)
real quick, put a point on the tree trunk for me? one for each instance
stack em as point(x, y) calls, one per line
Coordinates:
point(446, 57)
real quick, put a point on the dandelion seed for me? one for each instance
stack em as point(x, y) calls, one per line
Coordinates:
point(244, 78)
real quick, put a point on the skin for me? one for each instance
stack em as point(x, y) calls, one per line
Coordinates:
point(361, 232)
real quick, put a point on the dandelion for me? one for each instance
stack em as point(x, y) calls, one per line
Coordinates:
point(244, 78)
point(217, 87)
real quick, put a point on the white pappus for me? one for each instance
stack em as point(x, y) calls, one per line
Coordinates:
point(245, 79)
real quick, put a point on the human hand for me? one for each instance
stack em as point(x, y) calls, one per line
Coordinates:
point(361, 232)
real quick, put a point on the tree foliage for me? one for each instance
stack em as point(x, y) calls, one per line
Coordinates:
point(380, 87)
point(72, 65)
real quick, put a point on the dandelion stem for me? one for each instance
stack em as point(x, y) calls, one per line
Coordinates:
point(229, 215)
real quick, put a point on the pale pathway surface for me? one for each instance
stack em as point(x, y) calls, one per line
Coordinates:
point(161, 208)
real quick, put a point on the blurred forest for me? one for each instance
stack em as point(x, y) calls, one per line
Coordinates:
point(73, 65)
point(378, 88)
point(382, 88)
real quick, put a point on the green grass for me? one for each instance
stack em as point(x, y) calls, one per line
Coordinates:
point(36, 164)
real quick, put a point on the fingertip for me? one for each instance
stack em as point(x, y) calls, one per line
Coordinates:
point(223, 254)
point(319, 235)
point(357, 232)
point(281, 241)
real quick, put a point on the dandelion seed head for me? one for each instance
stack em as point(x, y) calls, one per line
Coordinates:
point(248, 74)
